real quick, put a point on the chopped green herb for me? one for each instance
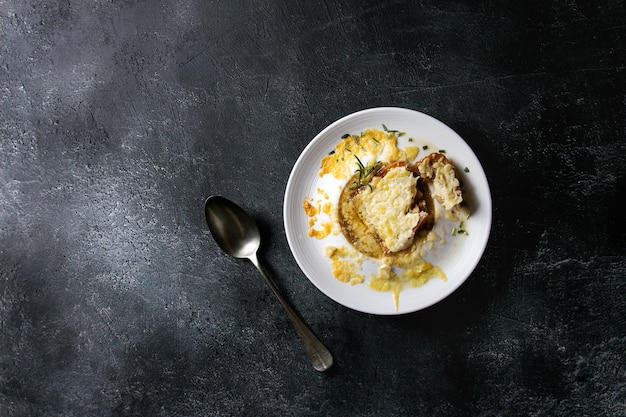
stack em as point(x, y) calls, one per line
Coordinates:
point(401, 134)
point(466, 169)
point(442, 151)
point(425, 147)
point(459, 230)
point(345, 135)
point(410, 139)
point(331, 152)
point(387, 130)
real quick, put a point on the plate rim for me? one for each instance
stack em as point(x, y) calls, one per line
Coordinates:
point(404, 112)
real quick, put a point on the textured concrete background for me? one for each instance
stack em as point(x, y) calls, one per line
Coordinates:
point(118, 118)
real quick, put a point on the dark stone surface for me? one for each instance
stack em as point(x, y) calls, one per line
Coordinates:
point(117, 119)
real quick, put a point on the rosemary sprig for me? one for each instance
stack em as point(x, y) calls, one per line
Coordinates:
point(388, 130)
point(365, 172)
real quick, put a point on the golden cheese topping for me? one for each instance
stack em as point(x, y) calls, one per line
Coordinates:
point(367, 146)
point(386, 208)
point(324, 228)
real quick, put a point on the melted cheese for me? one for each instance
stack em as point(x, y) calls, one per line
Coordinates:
point(385, 208)
point(324, 228)
point(345, 264)
point(370, 146)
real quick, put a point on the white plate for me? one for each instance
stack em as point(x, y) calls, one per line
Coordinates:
point(458, 257)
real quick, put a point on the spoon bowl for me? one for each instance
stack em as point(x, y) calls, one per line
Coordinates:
point(236, 233)
point(232, 228)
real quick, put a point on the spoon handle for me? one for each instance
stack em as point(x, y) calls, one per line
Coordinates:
point(319, 356)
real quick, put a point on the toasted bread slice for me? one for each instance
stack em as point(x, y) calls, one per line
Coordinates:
point(438, 171)
point(388, 208)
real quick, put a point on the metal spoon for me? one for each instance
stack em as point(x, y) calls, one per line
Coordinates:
point(238, 235)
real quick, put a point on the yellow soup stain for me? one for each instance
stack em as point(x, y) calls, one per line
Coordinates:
point(312, 211)
point(345, 264)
